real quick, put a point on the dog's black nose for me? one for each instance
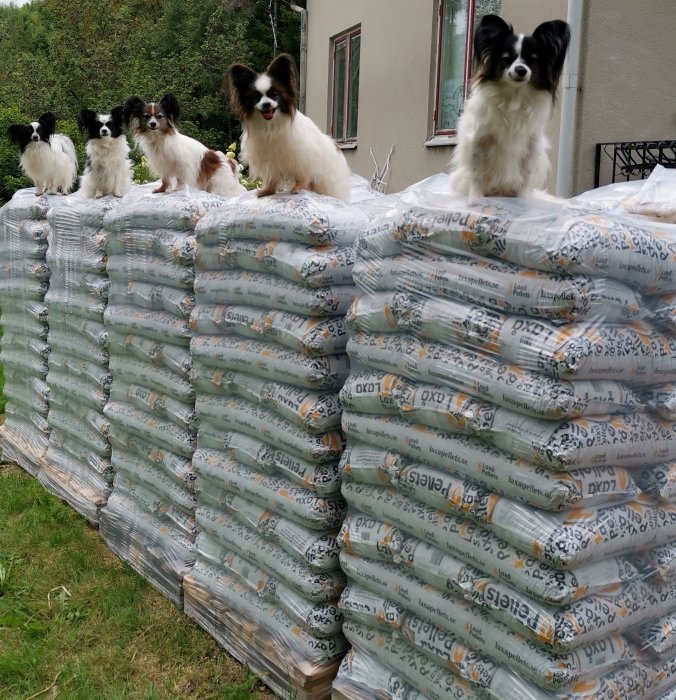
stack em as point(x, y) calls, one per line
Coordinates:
point(521, 71)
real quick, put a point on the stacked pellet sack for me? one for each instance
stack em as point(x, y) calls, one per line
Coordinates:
point(274, 282)
point(77, 464)
point(24, 281)
point(149, 520)
point(497, 449)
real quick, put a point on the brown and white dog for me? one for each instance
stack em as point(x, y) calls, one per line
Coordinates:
point(180, 161)
point(283, 147)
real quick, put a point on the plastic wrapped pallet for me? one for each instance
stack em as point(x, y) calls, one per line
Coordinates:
point(149, 519)
point(510, 454)
point(24, 281)
point(77, 465)
point(273, 283)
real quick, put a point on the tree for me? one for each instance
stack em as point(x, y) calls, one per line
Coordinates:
point(94, 54)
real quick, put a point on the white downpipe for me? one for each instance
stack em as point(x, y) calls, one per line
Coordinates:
point(303, 55)
point(569, 86)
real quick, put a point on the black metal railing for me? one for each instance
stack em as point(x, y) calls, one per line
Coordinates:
point(631, 160)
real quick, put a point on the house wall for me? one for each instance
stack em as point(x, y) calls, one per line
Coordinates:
point(627, 78)
point(394, 82)
point(397, 72)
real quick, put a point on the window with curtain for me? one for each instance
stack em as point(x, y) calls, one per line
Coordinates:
point(454, 57)
point(345, 81)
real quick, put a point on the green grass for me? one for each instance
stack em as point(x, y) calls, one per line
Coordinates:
point(76, 623)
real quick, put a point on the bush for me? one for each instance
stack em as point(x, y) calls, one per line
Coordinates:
point(11, 177)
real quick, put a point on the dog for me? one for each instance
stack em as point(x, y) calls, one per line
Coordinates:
point(47, 158)
point(107, 168)
point(180, 161)
point(282, 147)
point(502, 148)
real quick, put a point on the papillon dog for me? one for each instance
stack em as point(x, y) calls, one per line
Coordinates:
point(107, 168)
point(502, 148)
point(282, 147)
point(48, 159)
point(180, 161)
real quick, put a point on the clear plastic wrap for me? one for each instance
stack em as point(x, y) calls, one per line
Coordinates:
point(79, 379)
point(153, 423)
point(274, 280)
point(24, 282)
point(508, 473)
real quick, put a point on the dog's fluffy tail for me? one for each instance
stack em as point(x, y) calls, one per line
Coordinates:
point(222, 175)
point(65, 159)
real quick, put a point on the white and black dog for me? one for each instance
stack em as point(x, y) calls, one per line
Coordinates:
point(107, 168)
point(47, 158)
point(179, 160)
point(502, 148)
point(283, 147)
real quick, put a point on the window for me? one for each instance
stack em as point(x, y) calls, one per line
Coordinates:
point(456, 22)
point(454, 57)
point(345, 81)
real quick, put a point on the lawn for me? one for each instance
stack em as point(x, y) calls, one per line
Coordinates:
point(76, 623)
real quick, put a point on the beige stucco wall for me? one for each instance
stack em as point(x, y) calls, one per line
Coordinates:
point(394, 81)
point(396, 76)
point(628, 77)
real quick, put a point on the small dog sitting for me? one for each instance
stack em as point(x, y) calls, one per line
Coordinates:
point(502, 148)
point(48, 159)
point(180, 161)
point(283, 147)
point(107, 168)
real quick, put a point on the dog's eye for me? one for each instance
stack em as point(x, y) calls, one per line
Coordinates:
point(272, 94)
point(146, 115)
point(506, 54)
point(534, 56)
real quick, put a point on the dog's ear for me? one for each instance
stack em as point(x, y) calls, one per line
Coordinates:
point(490, 33)
point(554, 37)
point(133, 107)
point(283, 71)
point(19, 133)
point(170, 107)
point(117, 115)
point(237, 82)
point(48, 123)
point(492, 26)
point(85, 118)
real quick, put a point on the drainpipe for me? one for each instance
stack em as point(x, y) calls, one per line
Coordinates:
point(303, 55)
point(569, 81)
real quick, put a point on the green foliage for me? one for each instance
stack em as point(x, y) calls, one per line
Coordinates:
point(139, 169)
point(65, 56)
point(11, 177)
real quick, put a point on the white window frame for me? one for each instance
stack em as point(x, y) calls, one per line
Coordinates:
point(442, 136)
point(346, 37)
